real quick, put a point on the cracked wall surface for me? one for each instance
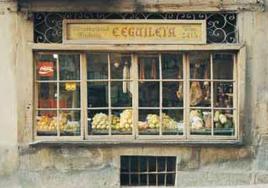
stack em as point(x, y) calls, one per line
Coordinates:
point(22, 165)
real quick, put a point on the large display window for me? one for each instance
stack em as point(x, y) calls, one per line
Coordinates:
point(141, 95)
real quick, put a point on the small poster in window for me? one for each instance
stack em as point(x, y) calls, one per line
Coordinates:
point(46, 68)
point(70, 86)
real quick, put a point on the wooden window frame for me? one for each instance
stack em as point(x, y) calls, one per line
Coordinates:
point(186, 138)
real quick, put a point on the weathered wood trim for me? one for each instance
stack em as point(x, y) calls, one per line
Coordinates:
point(217, 143)
point(140, 5)
point(70, 47)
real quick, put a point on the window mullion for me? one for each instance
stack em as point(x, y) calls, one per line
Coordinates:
point(135, 95)
point(212, 94)
point(83, 75)
point(185, 95)
point(161, 93)
point(109, 94)
point(58, 93)
point(235, 95)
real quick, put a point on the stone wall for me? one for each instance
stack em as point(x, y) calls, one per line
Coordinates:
point(98, 166)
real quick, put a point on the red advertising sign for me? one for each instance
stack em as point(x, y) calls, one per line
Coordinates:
point(46, 68)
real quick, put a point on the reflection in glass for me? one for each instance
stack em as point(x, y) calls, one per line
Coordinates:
point(149, 122)
point(172, 94)
point(199, 65)
point(69, 123)
point(46, 124)
point(98, 122)
point(172, 122)
point(149, 94)
point(121, 122)
point(46, 67)
point(121, 96)
point(223, 66)
point(70, 95)
point(120, 66)
point(172, 67)
point(223, 122)
point(223, 92)
point(148, 67)
point(47, 95)
point(200, 122)
point(97, 94)
point(200, 94)
point(69, 66)
point(97, 66)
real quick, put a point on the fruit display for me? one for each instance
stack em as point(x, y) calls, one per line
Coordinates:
point(115, 122)
point(126, 120)
point(222, 121)
point(153, 121)
point(196, 120)
point(49, 124)
point(45, 123)
point(122, 123)
point(100, 122)
point(168, 122)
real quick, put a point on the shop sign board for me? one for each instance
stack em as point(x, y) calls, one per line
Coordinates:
point(134, 31)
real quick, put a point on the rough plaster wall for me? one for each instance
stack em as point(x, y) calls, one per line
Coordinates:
point(8, 105)
point(260, 76)
point(99, 166)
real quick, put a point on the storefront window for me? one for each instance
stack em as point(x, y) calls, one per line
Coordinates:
point(167, 94)
point(58, 110)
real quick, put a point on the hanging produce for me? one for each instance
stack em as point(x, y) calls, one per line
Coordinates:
point(125, 76)
point(154, 71)
point(142, 71)
point(196, 94)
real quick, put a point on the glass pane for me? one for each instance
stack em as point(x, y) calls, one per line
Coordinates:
point(46, 67)
point(200, 122)
point(124, 179)
point(161, 164)
point(172, 94)
point(70, 122)
point(121, 94)
point(161, 179)
point(152, 179)
point(121, 122)
point(152, 164)
point(46, 123)
point(170, 178)
point(172, 122)
point(224, 122)
point(149, 94)
point(120, 66)
point(97, 94)
point(199, 65)
point(143, 179)
point(69, 66)
point(200, 94)
point(97, 66)
point(149, 122)
point(172, 67)
point(98, 122)
point(148, 67)
point(223, 92)
point(223, 66)
point(69, 95)
point(47, 95)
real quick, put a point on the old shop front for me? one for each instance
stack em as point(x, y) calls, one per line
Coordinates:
point(136, 93)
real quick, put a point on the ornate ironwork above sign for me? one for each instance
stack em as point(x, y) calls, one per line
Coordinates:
point(221, 27)
point(134, 31)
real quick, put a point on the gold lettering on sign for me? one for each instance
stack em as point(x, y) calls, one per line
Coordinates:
point(135, 32)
